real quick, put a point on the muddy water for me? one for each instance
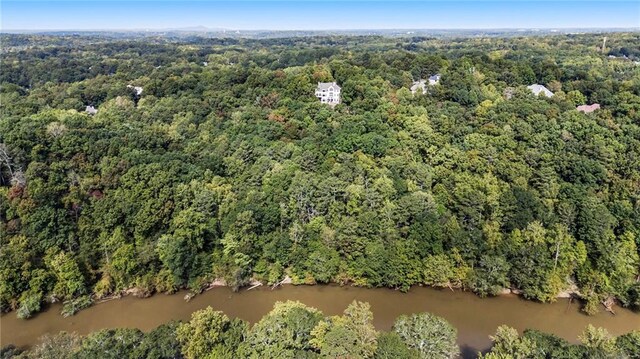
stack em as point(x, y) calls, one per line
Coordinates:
point(475, 318)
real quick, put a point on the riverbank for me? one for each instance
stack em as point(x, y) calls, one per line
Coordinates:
point(569, 293)
point(476, 318)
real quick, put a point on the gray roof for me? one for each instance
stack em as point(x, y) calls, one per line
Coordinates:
point(326, 85)
point(435, 77)
point(91, 110)
point(537, 89)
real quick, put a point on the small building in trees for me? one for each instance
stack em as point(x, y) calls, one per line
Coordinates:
point(328, 92)
point(137, 89)
point(588, 108)
point(539, 89)
point(434, 80)
point(420, 85)
point(91, 110)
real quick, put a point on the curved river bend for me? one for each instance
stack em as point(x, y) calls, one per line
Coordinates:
point(475, 318)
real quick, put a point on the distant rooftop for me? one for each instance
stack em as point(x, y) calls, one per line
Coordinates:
point(327, 85)
point(588, 108)
point(539, 89)
point(91, 110)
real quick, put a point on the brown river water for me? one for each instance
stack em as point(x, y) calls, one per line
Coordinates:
point(474, 317)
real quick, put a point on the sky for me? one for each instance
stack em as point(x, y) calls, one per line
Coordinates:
point(315, 14)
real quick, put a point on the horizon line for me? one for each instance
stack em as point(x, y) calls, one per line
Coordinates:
point(214, 29)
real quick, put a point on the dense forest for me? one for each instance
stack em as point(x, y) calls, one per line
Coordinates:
point(226, 168)
point(293, 330)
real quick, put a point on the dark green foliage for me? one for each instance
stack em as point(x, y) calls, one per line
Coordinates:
point(351, 335)
point(109, 344)
point(549, 346)
point(234, 170)
point(490, 277)
point(160, 343)
point(428, 335)
point(629, 344)
point(285, 332)
point(391, 346)
point(9, 351)
point(211, 334)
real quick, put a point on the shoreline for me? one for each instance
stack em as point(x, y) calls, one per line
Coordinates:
point(569, 293)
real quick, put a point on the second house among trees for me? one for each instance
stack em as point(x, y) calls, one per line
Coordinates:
point(328, 92)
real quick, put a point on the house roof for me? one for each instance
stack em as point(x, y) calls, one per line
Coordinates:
point(537, 89)
point(435, 77)
point(91, 110)
point(418, 84)
point(137, 89)
point(588, 108)
point(326, 85)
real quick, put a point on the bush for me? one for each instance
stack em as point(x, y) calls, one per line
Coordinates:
point(29, 304)
point(73, 306)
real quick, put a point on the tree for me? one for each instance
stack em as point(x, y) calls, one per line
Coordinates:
point(439, 271)
point(490, 277)
point(391, 346)
point(62, 345)
point(284, 332)
point(350, 335)
point(160, 343)
point(179, 251)
point(543, 260)
point(599, 343)
point(210, 334)
point(430, 335)
point(629, 344)
point(550, 346)
point(109, 344)
point(15, 268)
point(576, 98)
point(508, 344)
point(323, 264)
point(121, 262)
point(69, 279)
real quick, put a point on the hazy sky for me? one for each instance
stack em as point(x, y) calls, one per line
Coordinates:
point(316, 15)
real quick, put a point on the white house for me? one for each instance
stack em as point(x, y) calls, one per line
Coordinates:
point(539, 89)
point(137, 89)
point(420, 85)
point(433, 80)
point(328, 92)
point(91, 110)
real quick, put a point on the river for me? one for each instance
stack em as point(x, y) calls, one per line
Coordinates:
point(474, 317)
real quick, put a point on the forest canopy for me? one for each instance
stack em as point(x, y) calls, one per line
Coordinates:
point(225, 167)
